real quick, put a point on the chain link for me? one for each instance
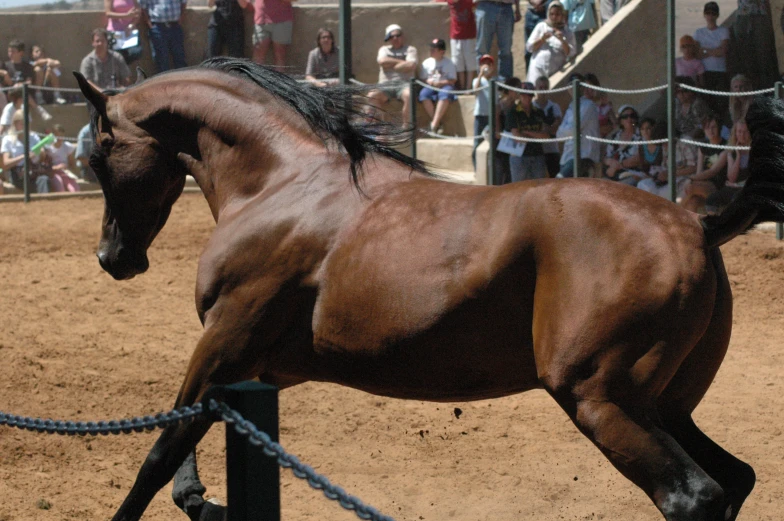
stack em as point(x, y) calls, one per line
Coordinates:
point(632, 143)
point(618, 91)
point(451, 91)
point(724, 93)
point(536, 140)
point(533, 92)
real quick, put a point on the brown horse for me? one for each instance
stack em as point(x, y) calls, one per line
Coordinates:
point(390, 280)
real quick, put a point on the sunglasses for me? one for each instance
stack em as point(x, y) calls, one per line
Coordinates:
point(398, 35)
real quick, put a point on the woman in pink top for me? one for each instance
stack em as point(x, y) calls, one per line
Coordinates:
point(689, 64)
point(121, 14)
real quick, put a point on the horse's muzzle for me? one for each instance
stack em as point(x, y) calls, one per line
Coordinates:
point(122, 263)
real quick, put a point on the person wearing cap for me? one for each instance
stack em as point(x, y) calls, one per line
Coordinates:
point(12, 148)
point(273, 22)
point(397, 62)
point(621, 161)
point(497, 18)
point(522, 119)
point(440, 74)
point(714, 42)
point(589, 127)
point(689, 64)
point(482, 103)
point(462, 40)
point(551, 43)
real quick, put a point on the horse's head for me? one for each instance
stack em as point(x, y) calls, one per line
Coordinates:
point(140, 176)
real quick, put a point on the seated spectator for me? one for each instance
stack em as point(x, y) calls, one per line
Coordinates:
point(689, 64)
point(21, 71)
point(12, 148)
point(482, 104)
point(226, 28)
point(551, 44)
point(737, 169)
point(104, 68)
point(552, 119)
point(523, 119)
point(589, 127)
point(47, 74)
point(15, 101)
point(84, 147)
point(398, 63)
point(607, 120)
point(439, 73)
point(621, 162)
point(685, 166)
point(323, 61)
point(690, 110)
point(711, 168)
point(651, 162)
point(738, 105)
point(61, 153)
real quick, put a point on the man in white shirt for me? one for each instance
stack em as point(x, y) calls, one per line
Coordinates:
point(589, 126)
point(398, 63)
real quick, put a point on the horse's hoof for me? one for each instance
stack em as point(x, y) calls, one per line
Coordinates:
point(212, 511)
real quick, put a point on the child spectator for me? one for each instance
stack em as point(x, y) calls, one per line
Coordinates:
point(462, 40)
point(273, 25)
point(47, 74)
point(482, 105)
point(711, 167)
point(15, 100)
point(552, 119)
point(439, 73)
point(323, 61)
point(551, 44)
point(523, 119)
point(398, 63)
point(12, 148)
point(685, 166)
point(738, 105)
point(689, 65)
point(61, 154)
point(226, 27)
point(21, 71)
point(714, 44)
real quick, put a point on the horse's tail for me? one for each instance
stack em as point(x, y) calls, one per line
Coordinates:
point(762, 197)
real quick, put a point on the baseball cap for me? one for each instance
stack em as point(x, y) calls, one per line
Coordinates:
point(527, 85)
point(711, 7)
point(486, 58)
point(390, 28)
point(438, 43)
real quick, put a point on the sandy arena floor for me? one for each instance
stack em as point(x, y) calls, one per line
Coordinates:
point(75, 344)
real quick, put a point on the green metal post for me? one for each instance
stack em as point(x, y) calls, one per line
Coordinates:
point(344, 49)
point(26, 111)
point(412, 112)
point(671, 98)
point(577, 124)
point(253, 478)
point(779, 226)
point(492, 124)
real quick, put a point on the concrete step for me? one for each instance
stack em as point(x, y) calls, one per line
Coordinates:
point(449, 154)
point(458, 120)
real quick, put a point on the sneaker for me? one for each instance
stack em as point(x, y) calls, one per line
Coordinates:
point(43, 113)
point(60, 100)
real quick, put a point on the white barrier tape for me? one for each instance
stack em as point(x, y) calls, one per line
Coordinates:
point(711, 145)
point(454, 138)
point(616, 142)
point(723, 93)
point(451, 91)
point(534, 92)
point(41, 87)
point(619, 91)
point(536, 140)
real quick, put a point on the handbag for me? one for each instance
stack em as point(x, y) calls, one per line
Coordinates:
point(581, 15)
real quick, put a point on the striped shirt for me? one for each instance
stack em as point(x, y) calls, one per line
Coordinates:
point(162, 11)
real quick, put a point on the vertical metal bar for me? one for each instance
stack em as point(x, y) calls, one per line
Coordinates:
point(26, 112)
point(345, 70)
point(671, 99)
point(491, 120)
point(779, 226)
point(578, 152)
point(412, 111)
point(253, 478)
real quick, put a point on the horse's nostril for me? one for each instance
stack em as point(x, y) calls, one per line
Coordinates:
point(102, 259)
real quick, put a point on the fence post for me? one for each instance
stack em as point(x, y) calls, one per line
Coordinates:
point(252, 478)
point(412, 112)
point(491, 122)
point(344, 42)
point(671, 159)
point(779, 226)
point(577, 124)
point(26, 112)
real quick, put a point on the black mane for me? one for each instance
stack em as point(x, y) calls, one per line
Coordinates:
point(334, 113)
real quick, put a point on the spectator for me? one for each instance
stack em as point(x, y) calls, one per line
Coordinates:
point(523, 119)
point(551, 44)
point(20, 71)
point(685, 166)
point(497, 18)
point(690, 110)
point(589, 126)
point(482, 104)
point(398, 63)
point(552, 119)
point(753, 43)
point(163, 18)
point(47, 74)
point(737, 169)
point(15, 101)
point(273, 25)
point(607, 120)
point(581, 20)
point(226, 27)
point(711, 167)
point(323, 61)
point(12, 148)
point(462, 40)
point(689, 65)
point(439, 73)
point(84, 147)
point(714, 44)
point(61, 154)
point(739, 105)
point(651, 161)
point(122, 21)
point(536, 12)
point(621, 161)
point(104, 68)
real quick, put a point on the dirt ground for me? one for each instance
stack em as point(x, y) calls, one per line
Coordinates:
point(75, 344)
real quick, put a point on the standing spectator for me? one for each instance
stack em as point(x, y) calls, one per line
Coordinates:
point(226, 27)
point(19, 71)
point(689, 64)
point(536, 12)
point(122, 20)
point(163, 18)
point(589, 126)
point(621, 161)
point(47, 74)
point(581, 20)
point(551, 44)
point(12, 148)
point(398, 63)
point(273, 25)
point(482, 104)
point(714, 44)
point(104, 68)
point(497, 18)
point(753, 43)
point(711, 168)
point(737, 169)
point(323, 61)
point(439, 73)
point(61, 154)
point(552, 119)
point(523, 119)
point(690, 109)
point(462, 40)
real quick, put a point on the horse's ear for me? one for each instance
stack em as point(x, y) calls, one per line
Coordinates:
point(94, 96)
point(140, 75)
